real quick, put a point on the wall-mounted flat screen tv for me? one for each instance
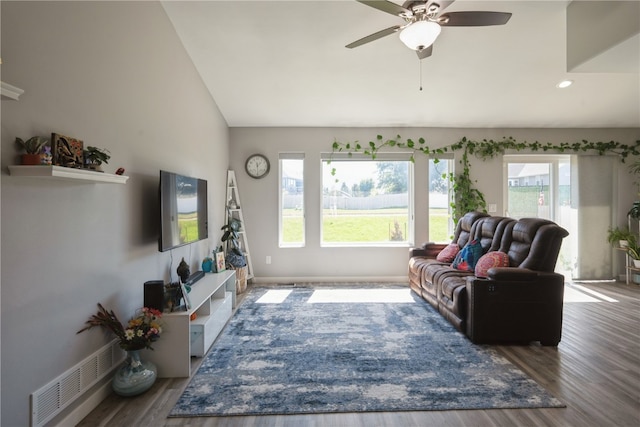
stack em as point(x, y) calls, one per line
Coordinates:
point(183, 210)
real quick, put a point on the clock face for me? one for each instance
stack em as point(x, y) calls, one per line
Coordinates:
point(257, 166)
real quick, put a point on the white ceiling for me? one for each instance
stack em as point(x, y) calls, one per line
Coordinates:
point(283, 63)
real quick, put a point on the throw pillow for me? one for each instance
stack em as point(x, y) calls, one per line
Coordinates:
point(468, 257)
point(490, 260)
point(448, 253)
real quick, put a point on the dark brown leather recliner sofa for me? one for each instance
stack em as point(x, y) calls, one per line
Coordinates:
point(516, 304)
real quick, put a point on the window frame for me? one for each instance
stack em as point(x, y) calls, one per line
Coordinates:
point(450, 159)
point(290, 156)
point(380, 157)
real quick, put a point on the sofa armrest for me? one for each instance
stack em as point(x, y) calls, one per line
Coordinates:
point(428, 250)
point(512, 274)
point(520, 307)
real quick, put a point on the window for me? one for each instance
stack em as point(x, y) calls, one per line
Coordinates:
point(291, 221)
point(440, 223)
point(367, 202)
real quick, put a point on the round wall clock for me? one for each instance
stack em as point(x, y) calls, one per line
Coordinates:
point(257, 166)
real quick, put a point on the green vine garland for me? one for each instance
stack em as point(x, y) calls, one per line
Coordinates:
point(467, 197)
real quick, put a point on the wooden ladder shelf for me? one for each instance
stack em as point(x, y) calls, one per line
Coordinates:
point(234, 210)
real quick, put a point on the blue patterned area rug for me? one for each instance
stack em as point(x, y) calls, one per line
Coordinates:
point(306, 350)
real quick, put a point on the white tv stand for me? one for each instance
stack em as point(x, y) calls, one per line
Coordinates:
point(212, 300)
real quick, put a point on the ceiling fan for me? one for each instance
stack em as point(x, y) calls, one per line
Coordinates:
point(424, 21)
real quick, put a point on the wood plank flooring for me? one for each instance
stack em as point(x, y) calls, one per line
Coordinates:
point(595, 371)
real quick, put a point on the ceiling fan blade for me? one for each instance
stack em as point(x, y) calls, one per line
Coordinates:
point(374, 36)
point(387, 6)
point(473, 19)
point(425, 53)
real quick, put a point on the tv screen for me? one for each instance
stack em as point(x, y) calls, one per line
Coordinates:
point(183, 210)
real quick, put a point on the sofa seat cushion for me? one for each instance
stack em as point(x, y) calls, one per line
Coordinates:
point(449, 284)
point(452, 298)
point(419, 263)
point(433, 271)
point(438, 274)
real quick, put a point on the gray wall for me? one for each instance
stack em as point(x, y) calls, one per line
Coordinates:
point(314, 263)
point(115, 75)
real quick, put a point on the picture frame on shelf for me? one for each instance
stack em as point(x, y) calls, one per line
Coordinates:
point(176, 298)
point(67, 151)
point(171, 297)
point(185, 297)
point(220, 262)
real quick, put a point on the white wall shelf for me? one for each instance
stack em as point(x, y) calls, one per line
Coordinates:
point(59, 172)
point(10, 92)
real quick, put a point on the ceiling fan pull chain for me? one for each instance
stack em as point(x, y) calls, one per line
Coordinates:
point(420, 62)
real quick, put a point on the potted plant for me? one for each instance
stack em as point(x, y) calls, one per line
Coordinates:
point(32, 146)
point(634, 212)
point(620, 236)
point(95, 157)
point(234, 256)
point(633, 250)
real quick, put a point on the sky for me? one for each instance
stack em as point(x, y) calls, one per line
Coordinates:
point(349, 172)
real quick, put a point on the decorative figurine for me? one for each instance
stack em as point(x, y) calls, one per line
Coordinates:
point(207, 265)
point(183, 271)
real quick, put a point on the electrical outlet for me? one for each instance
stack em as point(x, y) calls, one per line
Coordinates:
point(493, 208)
point(268, 259)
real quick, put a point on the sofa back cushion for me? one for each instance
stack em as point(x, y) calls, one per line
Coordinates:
point(534, 243)
point(465, 224)
point(489, 232)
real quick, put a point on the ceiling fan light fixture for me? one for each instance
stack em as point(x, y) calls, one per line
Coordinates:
point(420, 35)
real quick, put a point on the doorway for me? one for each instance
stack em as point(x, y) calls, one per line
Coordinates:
point(542, 187)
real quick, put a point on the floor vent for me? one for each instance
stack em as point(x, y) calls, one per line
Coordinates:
point(51, 399)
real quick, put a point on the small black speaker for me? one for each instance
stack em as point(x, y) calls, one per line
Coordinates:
point(154, 294)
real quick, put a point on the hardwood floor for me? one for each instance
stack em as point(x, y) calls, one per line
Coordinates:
point(595, 371)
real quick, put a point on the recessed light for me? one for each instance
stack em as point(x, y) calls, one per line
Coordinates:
point(565, 83)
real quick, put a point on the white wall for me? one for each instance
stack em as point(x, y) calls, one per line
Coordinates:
point(115, 75)
point(314, 263)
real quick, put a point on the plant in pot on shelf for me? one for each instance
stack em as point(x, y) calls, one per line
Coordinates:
point(620, 236)
point(33, 146)
point(95, 157)
point(634, 212)
point(234, 256)
point(633, 250)
point(135, 376)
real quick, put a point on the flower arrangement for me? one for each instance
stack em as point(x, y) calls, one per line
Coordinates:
point(140, 332)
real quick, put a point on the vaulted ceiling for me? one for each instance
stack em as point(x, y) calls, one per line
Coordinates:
point(284, 63)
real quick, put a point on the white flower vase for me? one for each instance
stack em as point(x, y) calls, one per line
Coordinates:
point(636, 263)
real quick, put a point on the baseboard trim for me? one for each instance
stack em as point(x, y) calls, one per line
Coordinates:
point(326, 279)
point(89, 404)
